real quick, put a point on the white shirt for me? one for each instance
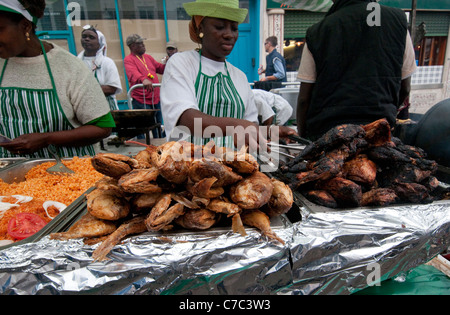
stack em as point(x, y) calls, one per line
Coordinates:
point(270, 104)
point(178, 87)
point(107, 74)
point(307, 70)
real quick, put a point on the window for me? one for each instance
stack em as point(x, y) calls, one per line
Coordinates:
point(431, 51)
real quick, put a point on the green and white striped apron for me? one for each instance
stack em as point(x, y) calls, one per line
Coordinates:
point(24, 111)
point(217, 96)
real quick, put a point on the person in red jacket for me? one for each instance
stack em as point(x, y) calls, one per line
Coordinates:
point(141, 68)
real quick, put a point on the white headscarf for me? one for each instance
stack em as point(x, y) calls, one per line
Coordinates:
point(101, 52)
point(15, 6)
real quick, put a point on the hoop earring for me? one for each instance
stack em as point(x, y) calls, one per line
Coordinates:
point(28, 36)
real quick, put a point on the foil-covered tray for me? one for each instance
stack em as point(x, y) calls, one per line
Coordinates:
point(331, 252)
point(15, 173)
point(312, 207)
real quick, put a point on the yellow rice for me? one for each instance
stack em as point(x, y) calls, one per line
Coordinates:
point(44, 186)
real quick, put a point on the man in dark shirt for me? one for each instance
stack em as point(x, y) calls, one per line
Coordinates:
point(275, 62)
point(355, 68)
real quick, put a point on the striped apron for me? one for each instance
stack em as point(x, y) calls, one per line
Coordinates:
point(217, 96)
point(24, 111)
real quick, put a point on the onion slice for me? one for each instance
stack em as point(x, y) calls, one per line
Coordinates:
point(60, 206)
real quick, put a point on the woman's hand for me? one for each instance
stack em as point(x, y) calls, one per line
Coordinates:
point(251, 135)
point(81, 136)
point(27, 144)
point(244, 132)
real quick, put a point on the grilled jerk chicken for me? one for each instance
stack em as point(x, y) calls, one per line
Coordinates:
point(321, 197)
point(378, 132)
point(333, 138)
point(344, 191)
point(361, 170)
point(362, 165)
point(379, 197)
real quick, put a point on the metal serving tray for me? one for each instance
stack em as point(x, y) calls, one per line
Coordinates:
point(301, 200)
point(15, 174)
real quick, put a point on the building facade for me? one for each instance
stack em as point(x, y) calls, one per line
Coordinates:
point(160, 21)
point(431, 82)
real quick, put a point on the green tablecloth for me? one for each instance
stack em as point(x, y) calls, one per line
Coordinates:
point(423, 280)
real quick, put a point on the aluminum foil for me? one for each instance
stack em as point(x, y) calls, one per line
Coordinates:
point(337, 252)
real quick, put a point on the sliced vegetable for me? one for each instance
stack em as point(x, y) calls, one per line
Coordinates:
point(24, 225)
point(58, 205)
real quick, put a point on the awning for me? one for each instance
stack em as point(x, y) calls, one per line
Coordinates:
point(307, 5)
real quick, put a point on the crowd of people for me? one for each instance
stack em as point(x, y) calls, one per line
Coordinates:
point(54, 98)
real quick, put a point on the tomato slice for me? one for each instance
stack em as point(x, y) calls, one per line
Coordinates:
point(24, 225)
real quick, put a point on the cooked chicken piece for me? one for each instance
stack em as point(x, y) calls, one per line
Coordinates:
point(144, 157)
point(140, 181)
point(204, 188)
point(241, 162)
point(378, 132)
point(173, 160)
point(404, 173)
point(335, 137)
point(237, 225)
point(109, 183)
point(412, 192)
point(113, 165)
point(86, 226)
point(361, 170)
point(107, 205)
point(322, 198)
point(184, 200)
point(379, 197)
point(261, 221)
point(381, 161)
point(162, 214)
point(197, 219)
point(209, 151)
point(204, 168)
point(431, 183)
point(144, 202)
point(223, 205)
point(281, 200)
point(201, 201)
point(253, 192)
point(388, 154)
point(328, 166)
point(130, 227)
point(344, 191)
point(409, 150)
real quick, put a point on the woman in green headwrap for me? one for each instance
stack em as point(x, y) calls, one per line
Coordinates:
point(48, 96)
point(204, 95)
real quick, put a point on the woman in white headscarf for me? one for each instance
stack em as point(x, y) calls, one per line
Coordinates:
point(103, 67)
